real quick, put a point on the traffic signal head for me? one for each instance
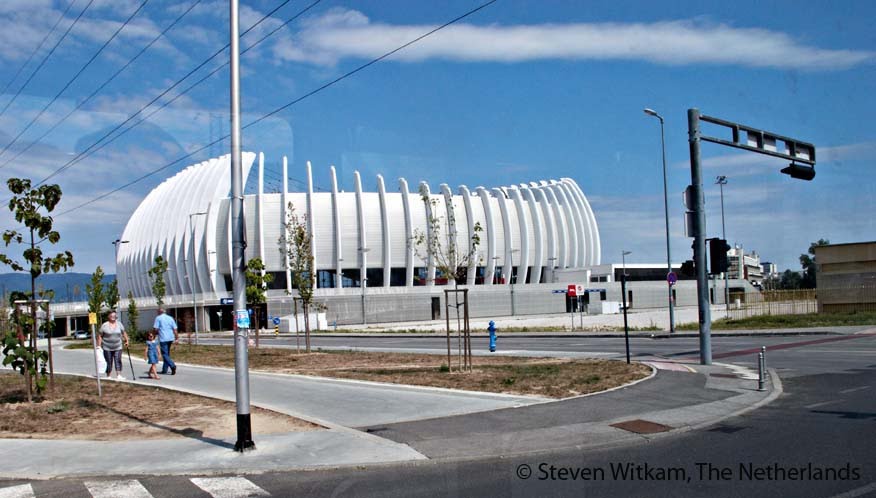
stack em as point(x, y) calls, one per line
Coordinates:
point(800, 171)
point(718, 260)
point(687, 269)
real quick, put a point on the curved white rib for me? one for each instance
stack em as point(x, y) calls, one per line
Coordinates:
point(491, 236)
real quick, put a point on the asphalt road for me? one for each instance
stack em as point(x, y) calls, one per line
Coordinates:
point(816, 440)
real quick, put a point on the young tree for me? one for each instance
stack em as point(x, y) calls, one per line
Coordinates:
point(256, 283)
point(451, 257)
point(133, 315)
point(28, 205)
point(156, 275)
point(112, 294)
point(96, 293)
point(807, 261)
point(300, 255)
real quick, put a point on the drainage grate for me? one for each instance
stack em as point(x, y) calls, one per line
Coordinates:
point(642, 426)
point(725, 376)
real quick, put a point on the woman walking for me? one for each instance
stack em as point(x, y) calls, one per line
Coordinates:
point(111, 338)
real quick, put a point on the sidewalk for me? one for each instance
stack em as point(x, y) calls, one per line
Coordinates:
point(399, 423)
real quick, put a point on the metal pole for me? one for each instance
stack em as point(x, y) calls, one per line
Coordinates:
point(511, 280)
point(760, 372)
point(699, 229)
point(722, 180)
point(626, 326)
point(238, 244)
point(192, 277)
point(666, 214)
point(94, 352)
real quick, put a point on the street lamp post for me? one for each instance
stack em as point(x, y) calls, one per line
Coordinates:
point(651, 112)
point(721, 181)
point(117, 243)
point(364, 280)
point(624, 299)
point(192, 266)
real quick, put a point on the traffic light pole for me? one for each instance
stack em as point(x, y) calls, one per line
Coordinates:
point(802, 157)
point(699, 234)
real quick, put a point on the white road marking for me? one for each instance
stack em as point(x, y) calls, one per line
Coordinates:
point(20, 491)
point(114, 489)
point(740, 371)
point(853, 389)
point(229, 487)
point(816, 405)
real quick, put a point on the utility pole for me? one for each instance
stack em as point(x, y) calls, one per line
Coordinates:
point(699, 234)
point(238, 245)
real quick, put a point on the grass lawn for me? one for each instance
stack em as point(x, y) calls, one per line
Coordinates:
point(790, 321)
point(556, 378)
point(125, 411)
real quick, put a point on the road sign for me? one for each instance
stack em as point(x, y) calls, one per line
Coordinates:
point(276, 320)
point(558, 291)
point(92, 318)
point(572, 290)
point(226, 300)
point(671, 277)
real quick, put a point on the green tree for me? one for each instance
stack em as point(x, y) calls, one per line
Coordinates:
point(256, 285)
point(96, 293)
point(156, 275)
point(451, 257)
point(112, 294)
point(28, 206)
point(133, 315)
point(297, 245)
point(807, 261)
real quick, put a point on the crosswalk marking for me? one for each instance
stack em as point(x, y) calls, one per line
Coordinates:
point(229, 487)
point(115, 489)
point(20, 491)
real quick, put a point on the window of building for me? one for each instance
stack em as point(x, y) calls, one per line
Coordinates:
point(397, 277)
point(279, 281)
point(325, 279)
point(419, 275)
point(374, 276)
point(351, 277)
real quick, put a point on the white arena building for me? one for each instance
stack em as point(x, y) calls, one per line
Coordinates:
point(533, 234)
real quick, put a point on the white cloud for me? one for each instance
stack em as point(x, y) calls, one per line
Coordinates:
point(341, 34)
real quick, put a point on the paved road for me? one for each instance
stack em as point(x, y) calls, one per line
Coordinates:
point(792, 355)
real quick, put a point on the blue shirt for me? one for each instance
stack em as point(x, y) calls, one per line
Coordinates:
point(165, 325)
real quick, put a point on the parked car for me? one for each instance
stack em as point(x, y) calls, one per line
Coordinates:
point(81, 334)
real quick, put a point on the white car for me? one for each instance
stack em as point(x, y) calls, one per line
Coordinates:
point(81, 334)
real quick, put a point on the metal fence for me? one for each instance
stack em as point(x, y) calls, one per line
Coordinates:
point(802, 301)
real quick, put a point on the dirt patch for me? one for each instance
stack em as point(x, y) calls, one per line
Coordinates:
point(126, 411)
point(550, 377)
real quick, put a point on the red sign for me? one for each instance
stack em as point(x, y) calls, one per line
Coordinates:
point(572, 290)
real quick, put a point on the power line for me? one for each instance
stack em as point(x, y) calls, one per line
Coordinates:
point(75, 76)
point(42, 62)
point(275, 111)
point(102, 85)
point(91, 149)
point(40, 46)
point(88, 150)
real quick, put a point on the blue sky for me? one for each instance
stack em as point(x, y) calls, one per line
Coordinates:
point(519, 91)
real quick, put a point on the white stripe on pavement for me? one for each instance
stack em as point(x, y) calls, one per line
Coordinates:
point(115, 489)
point(229, 487)
point(20, 491)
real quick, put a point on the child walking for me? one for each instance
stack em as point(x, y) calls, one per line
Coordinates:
point(152, 354)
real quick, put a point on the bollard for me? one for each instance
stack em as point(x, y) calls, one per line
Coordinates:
point(760, 372)
point(492, 330)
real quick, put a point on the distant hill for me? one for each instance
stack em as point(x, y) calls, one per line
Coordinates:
point(65, 285)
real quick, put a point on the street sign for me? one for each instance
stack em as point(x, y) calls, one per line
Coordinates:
point(671, 277)
point(92, 318)
point(572, 290)
point(558, 291)
point(276, 320)
point(226, 300)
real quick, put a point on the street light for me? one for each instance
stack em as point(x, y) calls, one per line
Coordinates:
point(651, 112)
point(721, 181)
point(117, 243)
point(364, 280)
point(192, 265)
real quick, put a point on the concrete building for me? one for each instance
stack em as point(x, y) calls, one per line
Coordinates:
point(745, 266)
point(845, 275)
point(366, 261)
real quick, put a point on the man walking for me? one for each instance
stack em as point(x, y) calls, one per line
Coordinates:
point(165, 327)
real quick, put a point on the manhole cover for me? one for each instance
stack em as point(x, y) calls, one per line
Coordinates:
point(725, 376)
point(642, 426)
